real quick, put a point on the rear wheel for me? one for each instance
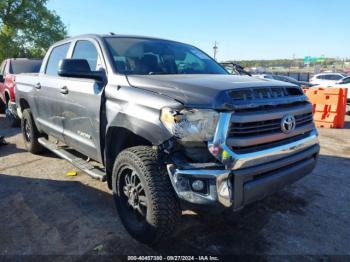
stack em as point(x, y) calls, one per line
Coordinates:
point(145, 199)
point(30, 133)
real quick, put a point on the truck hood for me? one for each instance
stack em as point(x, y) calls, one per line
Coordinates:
point(205, 91)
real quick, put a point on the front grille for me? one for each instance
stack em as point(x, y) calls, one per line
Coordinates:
point(266, 126)
point(256, 148)
point(278, 106)
point(261, 93)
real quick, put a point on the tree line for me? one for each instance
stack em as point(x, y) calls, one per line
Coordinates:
point(284, 62)
point(28, 28)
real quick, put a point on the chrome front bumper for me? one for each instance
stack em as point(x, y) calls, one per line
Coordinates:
point(233, 184)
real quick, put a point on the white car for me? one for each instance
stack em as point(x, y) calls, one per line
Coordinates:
point(344, 82)
point(326, 79)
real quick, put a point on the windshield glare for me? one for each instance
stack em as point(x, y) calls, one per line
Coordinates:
point(140, 56)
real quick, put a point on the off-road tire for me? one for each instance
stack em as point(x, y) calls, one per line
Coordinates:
point(163, 208)
point(28, 125)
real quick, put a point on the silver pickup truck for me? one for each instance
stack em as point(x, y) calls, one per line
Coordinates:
point(169, 128)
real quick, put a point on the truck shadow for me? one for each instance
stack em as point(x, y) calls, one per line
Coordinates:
point(9, 149)
point(42, 216)
point(5, 129)
point(233, 232)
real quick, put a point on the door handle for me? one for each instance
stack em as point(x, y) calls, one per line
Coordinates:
point(38, 86)
point(64, 90)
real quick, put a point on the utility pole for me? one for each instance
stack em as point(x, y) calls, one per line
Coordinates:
point(215, 49)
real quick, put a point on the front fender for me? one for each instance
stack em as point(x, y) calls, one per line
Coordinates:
point(138, 111)
point(143, 122)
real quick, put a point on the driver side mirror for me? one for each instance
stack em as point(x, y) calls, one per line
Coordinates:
point(2, 78)
point(79, 68)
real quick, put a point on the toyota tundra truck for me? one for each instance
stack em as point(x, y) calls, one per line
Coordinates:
point(166, 127)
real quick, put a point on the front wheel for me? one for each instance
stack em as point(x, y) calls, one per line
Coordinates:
point(145, 199)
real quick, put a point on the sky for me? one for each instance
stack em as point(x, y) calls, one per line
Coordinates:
point(244, 30)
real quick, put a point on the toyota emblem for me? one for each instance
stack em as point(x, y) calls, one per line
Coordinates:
point(288, 124)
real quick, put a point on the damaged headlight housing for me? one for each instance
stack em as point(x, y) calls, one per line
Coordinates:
point(190, 124)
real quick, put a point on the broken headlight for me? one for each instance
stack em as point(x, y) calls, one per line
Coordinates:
point(190, 125)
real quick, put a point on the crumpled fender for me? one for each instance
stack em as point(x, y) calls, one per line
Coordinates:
point(138, 111)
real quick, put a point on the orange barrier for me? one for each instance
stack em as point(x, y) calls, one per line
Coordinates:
point(329, 106)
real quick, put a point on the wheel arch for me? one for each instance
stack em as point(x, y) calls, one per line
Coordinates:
point(23, 103)
point(117, 140)
point(125, 130)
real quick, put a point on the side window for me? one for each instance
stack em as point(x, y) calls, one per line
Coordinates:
point(2, 71)
point(2, 67)
point(346, 81)
point(337, 77)
point(57, 54)
point(86, 50)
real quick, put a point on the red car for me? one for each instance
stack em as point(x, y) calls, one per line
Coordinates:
point(8, 71)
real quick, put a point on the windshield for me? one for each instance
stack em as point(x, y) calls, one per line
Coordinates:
point(25, 66)
point(141, 56)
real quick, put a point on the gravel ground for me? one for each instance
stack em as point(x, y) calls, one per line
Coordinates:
point(42, 211)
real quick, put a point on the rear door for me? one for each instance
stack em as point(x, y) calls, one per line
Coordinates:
point(49, 101)
point(83, 104)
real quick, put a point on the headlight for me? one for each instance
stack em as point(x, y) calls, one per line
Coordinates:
point(190, 125)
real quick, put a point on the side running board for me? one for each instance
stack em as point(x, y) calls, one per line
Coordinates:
point(78, 162)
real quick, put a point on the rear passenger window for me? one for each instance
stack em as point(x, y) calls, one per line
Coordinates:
point(346, 81)
point(337, 77)
point(58, 53)
point(86, 50)
point(2, 68)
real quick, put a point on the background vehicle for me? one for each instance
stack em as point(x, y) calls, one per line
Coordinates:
point(8, 71)
point(235, 69)
point(344, 83)
point(287, 79)
point(171, 127)
point(326, 78)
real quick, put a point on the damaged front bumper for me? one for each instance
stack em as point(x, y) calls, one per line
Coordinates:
point(236, 188)
point(247, 177)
